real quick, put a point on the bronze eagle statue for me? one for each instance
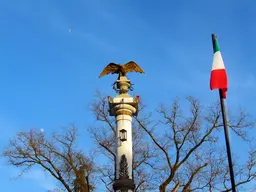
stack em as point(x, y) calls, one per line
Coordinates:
point(120, 69)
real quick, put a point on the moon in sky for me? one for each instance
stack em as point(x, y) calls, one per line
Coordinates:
point(42, 130)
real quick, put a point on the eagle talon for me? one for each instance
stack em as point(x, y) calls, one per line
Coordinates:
point(114, 85)
point(131, 87)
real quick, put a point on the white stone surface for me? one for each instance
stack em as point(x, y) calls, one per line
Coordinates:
point(123, 107)
point(124, 147)
point(123, 100)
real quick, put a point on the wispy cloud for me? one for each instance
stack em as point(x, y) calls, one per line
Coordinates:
point(99, 9)
point(41, 178)
point(248, 82)
point(8, 129)
point(2, 166)
point(97, 42)
point(60, 23)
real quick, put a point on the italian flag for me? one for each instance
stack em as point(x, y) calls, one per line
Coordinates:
point(218, 78)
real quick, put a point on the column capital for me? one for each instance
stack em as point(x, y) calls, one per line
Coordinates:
point(123, 106)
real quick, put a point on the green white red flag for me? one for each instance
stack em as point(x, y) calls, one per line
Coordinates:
point(218, 78)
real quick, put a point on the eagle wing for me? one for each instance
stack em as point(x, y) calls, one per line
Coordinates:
point(132, 66)
point(110, 68)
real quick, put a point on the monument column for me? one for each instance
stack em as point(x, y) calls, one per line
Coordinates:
point(123, 107)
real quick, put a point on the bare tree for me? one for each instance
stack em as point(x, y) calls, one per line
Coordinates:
point(193, 158)
point(183, 150)
point(56, 155)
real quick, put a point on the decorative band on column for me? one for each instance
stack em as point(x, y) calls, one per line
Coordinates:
point(123, 112)
point(117, 110)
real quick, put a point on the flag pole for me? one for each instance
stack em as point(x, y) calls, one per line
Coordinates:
point(230, 164)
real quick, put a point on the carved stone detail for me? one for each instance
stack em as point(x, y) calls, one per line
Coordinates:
point(123, 109)
point(123, 172)
point(124, 112)
point(123, 185)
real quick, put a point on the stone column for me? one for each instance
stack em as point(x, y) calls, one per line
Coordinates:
point(123, 107)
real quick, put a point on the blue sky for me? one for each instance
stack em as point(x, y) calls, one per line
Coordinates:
point(48, 75)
